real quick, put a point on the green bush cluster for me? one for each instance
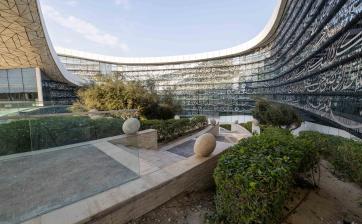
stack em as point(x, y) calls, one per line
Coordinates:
point(254, 177)
point(273, 114)
point(113, 94)
point(171, 129)
point(344, 154)
point(40, 133)
point(34, 134)
point(248, 126)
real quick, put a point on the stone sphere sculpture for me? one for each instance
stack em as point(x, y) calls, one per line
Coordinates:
point(205, 145)
point(213, 122)
point(131, 126)
point(177, 117)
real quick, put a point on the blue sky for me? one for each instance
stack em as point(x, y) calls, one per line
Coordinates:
point(139, 28)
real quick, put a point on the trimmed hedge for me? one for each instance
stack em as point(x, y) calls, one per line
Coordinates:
point(254, 177)
point(168, 130)
point(34, 134)
point(344, 154)
point(15, 137)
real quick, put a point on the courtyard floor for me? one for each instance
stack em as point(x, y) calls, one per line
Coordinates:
point(83, 179)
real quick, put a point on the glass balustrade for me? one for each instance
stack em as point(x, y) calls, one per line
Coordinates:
point(51, 157)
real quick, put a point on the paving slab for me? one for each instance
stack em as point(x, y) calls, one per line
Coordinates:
point(185, 149)
point(221, 138)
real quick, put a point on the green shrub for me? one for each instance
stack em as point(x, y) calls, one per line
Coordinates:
point(226, 126)
point(34, 134)
point(168, 130)
point(347, 159)
point(199, 121)
point(113, 94)
point(15, 137)
point(107, 127)
point(274, 114)
point(248, 126)
point(158, 111)
point(344, 154)
point(254, 177)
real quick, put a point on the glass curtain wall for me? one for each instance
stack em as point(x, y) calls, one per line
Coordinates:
point(18, 84)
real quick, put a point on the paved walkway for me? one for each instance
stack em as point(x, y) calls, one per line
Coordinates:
point(37, 183)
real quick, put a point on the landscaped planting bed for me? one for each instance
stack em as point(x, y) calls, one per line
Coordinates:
point(169, 130)
point(344, 154)
point(254, 178)
point(40, 133)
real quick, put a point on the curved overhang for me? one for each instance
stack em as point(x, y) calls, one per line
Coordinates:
point(24, 41)
point(65, 73)
point(260, 40)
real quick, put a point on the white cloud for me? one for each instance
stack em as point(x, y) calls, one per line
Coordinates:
point(124, 3)
point(85, 28)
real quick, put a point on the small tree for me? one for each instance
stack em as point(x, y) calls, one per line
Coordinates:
point(114, 94)
point(168, 100)
point(275, 114)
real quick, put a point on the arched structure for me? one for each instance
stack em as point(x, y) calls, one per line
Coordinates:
point(308, 56)
point(27, 58)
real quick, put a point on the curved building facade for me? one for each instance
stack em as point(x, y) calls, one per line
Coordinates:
point(308, 56)
point(30, 68)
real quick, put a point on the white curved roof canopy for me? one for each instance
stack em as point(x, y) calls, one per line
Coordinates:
point(24, 41)
point(257, 41)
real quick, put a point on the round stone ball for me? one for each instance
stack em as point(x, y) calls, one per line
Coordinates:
point(213, 122)
point(131, 126)
point(205, 145)
point(177, 117)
